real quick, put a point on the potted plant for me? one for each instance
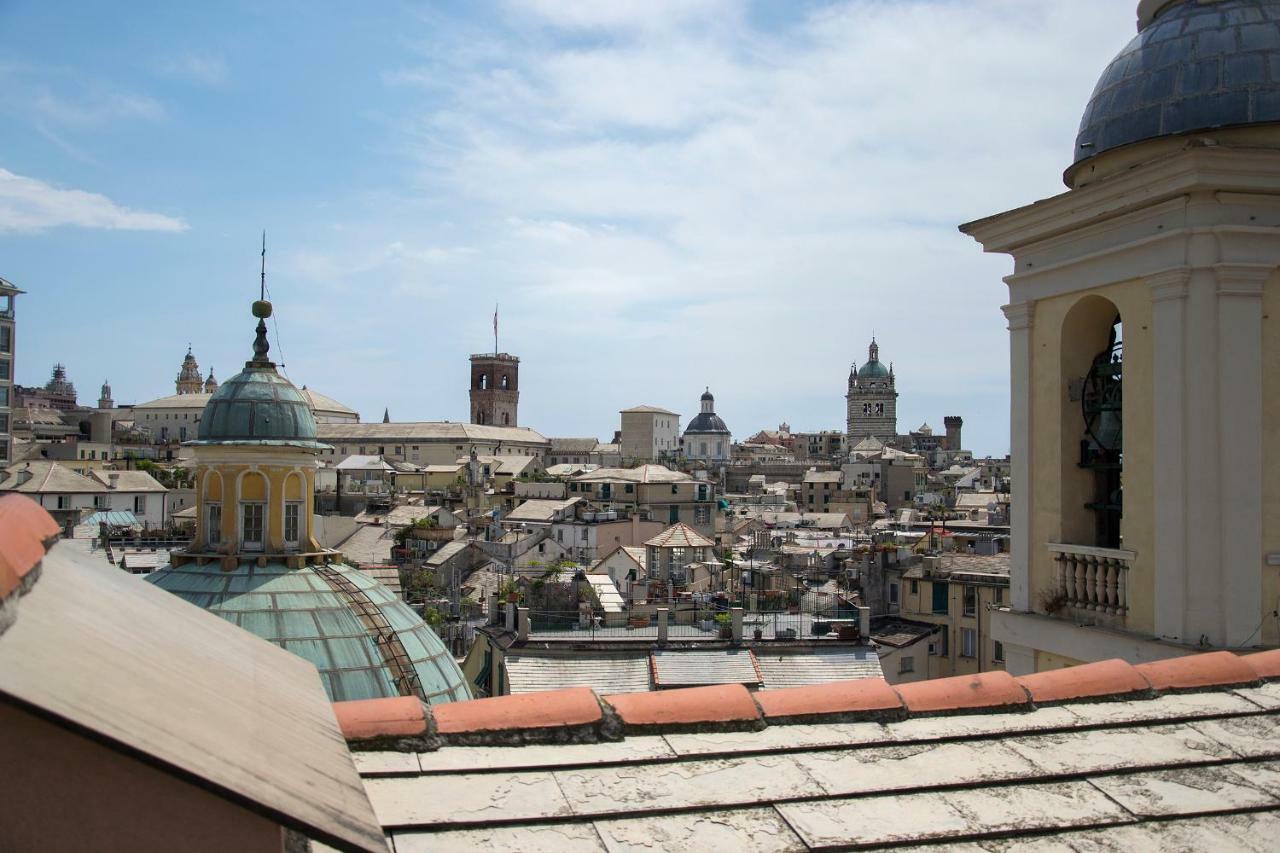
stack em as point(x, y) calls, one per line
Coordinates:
point(725, 622)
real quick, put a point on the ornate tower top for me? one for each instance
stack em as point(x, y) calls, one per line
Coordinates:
point(873, 351)
point(210, 384)
point(189, 379)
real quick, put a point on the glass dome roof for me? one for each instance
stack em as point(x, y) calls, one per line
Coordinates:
point(1194, 67)
point(366, 642)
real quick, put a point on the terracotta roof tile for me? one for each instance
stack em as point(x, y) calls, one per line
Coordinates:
point(363, 719)
point(522, 714)
point(963, 693)
point(1114, 678)
point(862, 698)
point(1265, 664)
point(25, 530)
point(722, 706)
point(577, 715)
point(1196, 671)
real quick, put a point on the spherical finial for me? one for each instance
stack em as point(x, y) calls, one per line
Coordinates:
point(261, 309)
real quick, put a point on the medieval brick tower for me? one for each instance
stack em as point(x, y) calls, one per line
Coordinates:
point(495, 389)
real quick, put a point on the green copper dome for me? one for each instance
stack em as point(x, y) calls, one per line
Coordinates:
point(258, 405)
point(873, 370)
point(365, 641)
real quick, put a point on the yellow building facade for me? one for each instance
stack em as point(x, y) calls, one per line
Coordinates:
point(1145, 370)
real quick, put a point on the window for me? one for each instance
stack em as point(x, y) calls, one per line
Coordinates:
point(64, 501)
point(99, 501)
point(968, 643)
point(970, 600)
point(675, 490)
point(4, 368)
point(6, 339)
point(674, 515)
point(139, 504)
point(944, 642)
point(999, 595)
point(997, 651)
point(702, 515)
point(630, 488)
point(560, 534)
point(213, 523)
point(252, 518)
point(4, 423)
point(915, 587)
point(585, 534)
point(292, 521)
point(907, 664)
point(940, 597)
point(4, 396)
point(399, 451)
point(893, 593)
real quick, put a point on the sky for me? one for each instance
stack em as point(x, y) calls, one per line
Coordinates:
point(659, 195)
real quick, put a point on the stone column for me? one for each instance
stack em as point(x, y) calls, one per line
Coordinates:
point(1169, 375)
point(1240, 449)
point(1021, 317)
point(664, 616)
point(735, 617)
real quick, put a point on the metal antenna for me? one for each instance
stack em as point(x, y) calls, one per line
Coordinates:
point(262, 293)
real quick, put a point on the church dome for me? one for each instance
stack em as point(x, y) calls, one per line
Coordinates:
point(1193, 66)
point(707, 396)
point(325, 614)
point(257, 405)
point(706, 422)
point(873, 370)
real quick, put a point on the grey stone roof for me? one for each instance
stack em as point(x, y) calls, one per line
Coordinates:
point(1179, 772)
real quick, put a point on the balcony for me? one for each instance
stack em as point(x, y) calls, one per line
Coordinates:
point(1090, 580)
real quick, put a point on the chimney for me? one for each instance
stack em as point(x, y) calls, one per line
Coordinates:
point(114, 479)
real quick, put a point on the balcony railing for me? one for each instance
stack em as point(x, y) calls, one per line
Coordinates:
point(1091, 578)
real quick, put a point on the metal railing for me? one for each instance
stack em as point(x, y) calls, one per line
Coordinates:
point(1090, 578)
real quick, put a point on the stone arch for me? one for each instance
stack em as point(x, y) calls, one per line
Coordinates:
point(1091, 455)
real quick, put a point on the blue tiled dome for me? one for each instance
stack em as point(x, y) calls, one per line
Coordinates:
point(1193, 67)
point(366, 642)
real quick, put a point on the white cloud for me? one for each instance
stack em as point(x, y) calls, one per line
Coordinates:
point(757, 196)
point(205, 69)
point(623, 14)
point(95, 109)
point(27, 204)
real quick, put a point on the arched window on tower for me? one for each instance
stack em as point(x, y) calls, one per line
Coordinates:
point(1092, 456)
point(506, 419)
point(482, 382)
point(505, 383)
point(1102, 448)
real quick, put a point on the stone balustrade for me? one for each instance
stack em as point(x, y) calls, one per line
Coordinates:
point(1094, 579)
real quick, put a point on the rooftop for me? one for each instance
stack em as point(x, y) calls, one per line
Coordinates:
point(1176, 754)
point(647, 410)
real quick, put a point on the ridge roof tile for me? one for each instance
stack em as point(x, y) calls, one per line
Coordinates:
point(962, 693)
point(1193, 672)
point(865, 698)
point(723, 706)
point(1114, 678)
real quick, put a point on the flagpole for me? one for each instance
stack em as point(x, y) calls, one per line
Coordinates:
point(495, 328)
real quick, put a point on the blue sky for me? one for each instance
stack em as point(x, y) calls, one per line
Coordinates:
point(662, 195)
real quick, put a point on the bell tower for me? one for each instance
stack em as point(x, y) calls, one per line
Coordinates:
point(495, 389)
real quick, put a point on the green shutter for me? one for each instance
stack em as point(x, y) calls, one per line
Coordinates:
point(940, 602)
